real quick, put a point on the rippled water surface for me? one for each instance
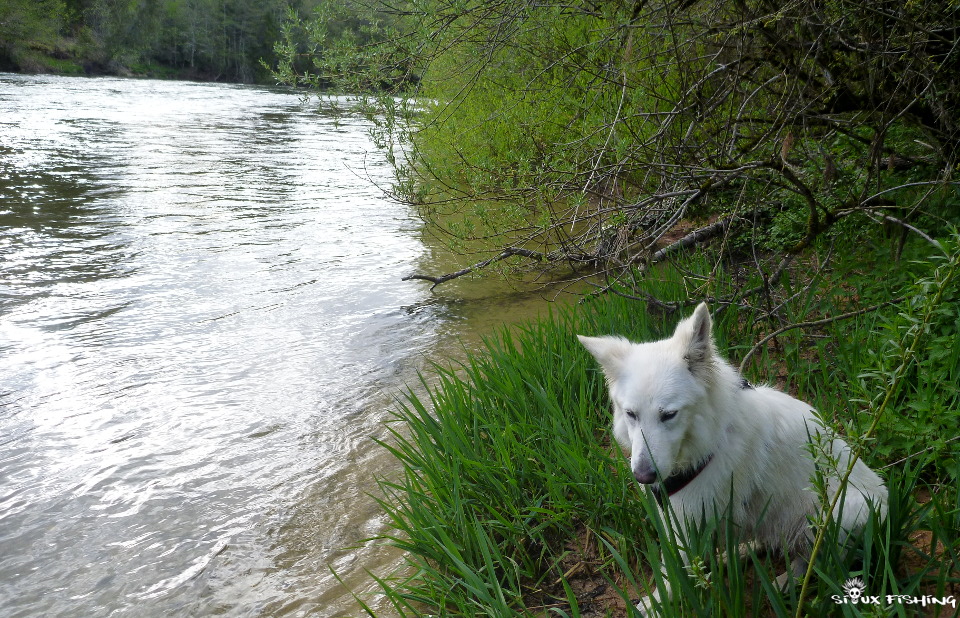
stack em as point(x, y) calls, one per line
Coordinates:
point(202, 327)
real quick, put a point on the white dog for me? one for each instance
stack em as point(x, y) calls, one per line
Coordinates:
point(698, 433)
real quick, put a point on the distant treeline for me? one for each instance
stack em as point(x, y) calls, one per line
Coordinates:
point(222, 40)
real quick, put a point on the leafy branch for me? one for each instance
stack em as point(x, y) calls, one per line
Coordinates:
point(903, 356)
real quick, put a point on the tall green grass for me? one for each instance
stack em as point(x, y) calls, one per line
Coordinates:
point(506, 460)
point(512, 500)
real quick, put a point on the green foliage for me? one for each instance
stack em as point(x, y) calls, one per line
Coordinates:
point(208, 39)
point(508, 467)
point(526, 120)
point(341, 45)
point(914, 361)
point(30, 21)
point(590, 132)
point(890, 372)
point(213, 39)
point(512, 463)
point(27, 26)
point(924, 411)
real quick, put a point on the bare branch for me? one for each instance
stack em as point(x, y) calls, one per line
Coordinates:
point(509, 251)
point(913, 229)
point(811, 324)
point(699, 235)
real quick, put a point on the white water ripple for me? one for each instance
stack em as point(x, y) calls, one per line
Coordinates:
point(202, 326)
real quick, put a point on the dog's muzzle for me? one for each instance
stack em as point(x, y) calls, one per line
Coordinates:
point(645, 478)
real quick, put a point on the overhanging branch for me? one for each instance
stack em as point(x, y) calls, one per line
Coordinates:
point(508, 252)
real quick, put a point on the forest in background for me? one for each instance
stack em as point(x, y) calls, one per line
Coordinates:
point(217, 40)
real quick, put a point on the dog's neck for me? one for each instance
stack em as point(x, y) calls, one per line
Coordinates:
point(677, 481)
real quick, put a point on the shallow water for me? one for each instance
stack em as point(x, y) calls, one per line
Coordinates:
point(202, 328)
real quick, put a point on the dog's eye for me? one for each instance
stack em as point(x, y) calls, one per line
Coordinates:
point(666, 415)
point(631, 414)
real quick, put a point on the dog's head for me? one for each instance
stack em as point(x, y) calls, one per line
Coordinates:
point(657, 390)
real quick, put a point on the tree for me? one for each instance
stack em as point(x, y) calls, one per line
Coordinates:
point(592, 135)
point(26, 24)
point(207, 39)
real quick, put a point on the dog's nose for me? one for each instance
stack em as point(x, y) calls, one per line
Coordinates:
point(645, 477)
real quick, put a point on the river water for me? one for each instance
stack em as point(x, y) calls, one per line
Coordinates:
point(202, 329)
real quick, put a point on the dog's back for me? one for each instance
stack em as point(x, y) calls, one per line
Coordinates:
point(781, 446)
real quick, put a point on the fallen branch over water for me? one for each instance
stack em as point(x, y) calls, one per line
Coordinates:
point(508, 252)
point(691, 239)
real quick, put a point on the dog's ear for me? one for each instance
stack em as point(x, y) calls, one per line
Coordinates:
point(694, 335)
point(610, 352)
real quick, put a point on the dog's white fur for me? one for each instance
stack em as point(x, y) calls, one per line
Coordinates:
point(677, 402)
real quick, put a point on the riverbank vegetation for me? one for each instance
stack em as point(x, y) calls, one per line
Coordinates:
point(606, 136)
point(513, 499)
point(792, 163)
point(218, 40)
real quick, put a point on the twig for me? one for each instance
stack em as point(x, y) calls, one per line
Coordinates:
point(811, 324)
point(550, 606)
point(913, 229)
point(920, 452)
point(698, 235)
point(579, 566)
point(509, 251)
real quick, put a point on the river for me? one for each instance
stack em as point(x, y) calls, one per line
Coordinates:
point(202, 330)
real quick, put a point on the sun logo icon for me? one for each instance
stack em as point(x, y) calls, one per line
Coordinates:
point(854, 589)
